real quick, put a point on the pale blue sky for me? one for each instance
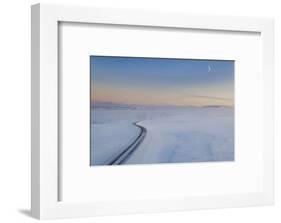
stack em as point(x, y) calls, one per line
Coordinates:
point(162, 81)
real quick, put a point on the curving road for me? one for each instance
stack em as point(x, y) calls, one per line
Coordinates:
point(122, 156)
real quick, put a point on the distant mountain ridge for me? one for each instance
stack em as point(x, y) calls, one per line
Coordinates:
point(112, 105)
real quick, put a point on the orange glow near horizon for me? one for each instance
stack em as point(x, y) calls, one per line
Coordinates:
point(188, 97)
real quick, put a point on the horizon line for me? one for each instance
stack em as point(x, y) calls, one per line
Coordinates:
point(136, 104)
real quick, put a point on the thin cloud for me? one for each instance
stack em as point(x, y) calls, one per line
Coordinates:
point(211, 97)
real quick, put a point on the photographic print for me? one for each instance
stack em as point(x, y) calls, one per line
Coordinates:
point(160, 110)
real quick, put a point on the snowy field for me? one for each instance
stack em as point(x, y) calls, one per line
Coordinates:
point(173, 134)
point(110, 138)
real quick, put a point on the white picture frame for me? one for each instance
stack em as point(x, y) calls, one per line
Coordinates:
point(45, 170)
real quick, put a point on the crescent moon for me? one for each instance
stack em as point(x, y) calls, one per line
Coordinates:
point(209, 68)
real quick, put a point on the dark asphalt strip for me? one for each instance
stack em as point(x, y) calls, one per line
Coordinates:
point(121, 157)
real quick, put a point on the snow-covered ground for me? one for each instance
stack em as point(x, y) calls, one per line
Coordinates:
point(174, 134)
point(108, 139)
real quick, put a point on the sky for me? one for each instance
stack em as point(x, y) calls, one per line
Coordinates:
point(162, 81)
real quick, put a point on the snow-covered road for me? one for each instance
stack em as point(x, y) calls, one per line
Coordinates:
point(127, 152)
point(110, 139)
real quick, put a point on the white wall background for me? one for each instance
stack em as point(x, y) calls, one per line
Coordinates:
point(15, 108)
